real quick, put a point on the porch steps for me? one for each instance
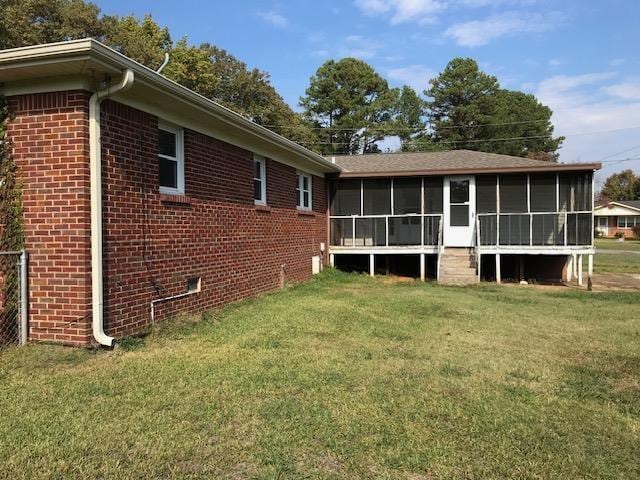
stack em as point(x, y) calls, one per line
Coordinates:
point(457, 266)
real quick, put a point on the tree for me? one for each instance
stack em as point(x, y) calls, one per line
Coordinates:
point(218, 75)
point(521, 117)
point(460, 103)
point(408, 116)
point(351, 103)
point(208, 70)
point(143, 41)
point(30, 22)
point(622, 186)
point(468, 109)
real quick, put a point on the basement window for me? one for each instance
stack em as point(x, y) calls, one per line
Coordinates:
point(194, 284)
point(170, 159)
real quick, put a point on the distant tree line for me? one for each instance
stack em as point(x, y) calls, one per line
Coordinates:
point(348, 107)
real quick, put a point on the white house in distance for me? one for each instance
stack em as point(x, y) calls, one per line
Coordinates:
point(620, 216)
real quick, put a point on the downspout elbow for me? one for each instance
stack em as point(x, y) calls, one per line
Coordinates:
point(95, 169)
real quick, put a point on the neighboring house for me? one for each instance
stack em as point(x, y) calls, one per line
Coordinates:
point(617, 217)
point(143, 199)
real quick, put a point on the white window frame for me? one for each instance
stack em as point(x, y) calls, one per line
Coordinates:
point(630, 221)
point(263, 179)
point(179, 158)
point(300, 190)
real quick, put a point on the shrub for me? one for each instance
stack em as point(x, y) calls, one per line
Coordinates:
point(619, 235)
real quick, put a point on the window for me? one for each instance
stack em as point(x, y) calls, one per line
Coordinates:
point(433, 195)
point(170, 159)
point(542, 189)
point(628, 222)
point(303, 191)
point(259, 180)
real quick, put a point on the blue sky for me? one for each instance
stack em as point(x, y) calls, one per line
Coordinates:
point(579, 57)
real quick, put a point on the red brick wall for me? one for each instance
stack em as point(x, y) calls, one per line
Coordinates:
point(153, 245)
point(50, 140)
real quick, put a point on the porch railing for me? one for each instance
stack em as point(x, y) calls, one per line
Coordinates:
point(386, 230)
point(535, 229)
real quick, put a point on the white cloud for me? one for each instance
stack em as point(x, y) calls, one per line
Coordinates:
point(274, 19)
point(416, 76)
point(320, 53)
point(596, 116)
point(402, 11)
point(358, 46)
point(625, 90)
point(616, 62)
point(556, 62)
point(476, 33)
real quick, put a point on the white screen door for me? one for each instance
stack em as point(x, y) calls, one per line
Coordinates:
point(459, 211)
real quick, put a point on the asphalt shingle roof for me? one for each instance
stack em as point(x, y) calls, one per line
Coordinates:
point(452, 160)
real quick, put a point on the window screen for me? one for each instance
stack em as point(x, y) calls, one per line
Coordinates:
point(377, 197)
point(543, 192)
point(513, 194)
point(486, 194)
point(345, 197)
point(406, 195)
point(575, 192)
point(433, 195)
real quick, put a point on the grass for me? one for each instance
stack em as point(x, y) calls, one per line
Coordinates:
point(343, 377)
point(613, 244)
point(611, 256)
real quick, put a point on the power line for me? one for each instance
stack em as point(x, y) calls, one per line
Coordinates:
point(493, 139)
point(477, 125)
point(619, 153)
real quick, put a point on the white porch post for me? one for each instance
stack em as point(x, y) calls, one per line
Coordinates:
point(569, 267)
point(332, 260)
point(590, 265)
point(580, 270)
point(423, 267)
point(372, 264)
point(498, 273)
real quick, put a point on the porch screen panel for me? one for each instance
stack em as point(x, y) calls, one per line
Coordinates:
point(543, 192)
point(342, 232)
point(371, 232)
point(406, 196)
point(513, 194)
point(575, 192)
point(548, 229)
point(345, 197)
point(377, 197)
point(486, 194)
point(514, 230)
point(433, 195)
point(405, 231)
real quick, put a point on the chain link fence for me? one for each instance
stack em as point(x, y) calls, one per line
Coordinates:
point(13, 298)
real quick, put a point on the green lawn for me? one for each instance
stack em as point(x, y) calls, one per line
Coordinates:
point(613, 256)
point(612, 244)
point(343, 377)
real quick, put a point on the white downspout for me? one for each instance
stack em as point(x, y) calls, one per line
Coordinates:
point(95, 168)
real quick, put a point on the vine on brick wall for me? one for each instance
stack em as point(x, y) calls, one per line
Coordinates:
point(11, 221)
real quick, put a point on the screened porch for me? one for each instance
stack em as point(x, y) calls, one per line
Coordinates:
point(535, 210)
point(386, 212)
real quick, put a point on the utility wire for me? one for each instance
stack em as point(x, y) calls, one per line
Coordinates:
point(477, 125)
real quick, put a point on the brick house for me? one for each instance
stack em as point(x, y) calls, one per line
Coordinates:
point(617, 218)
point(144, 199)
point(147, 191)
